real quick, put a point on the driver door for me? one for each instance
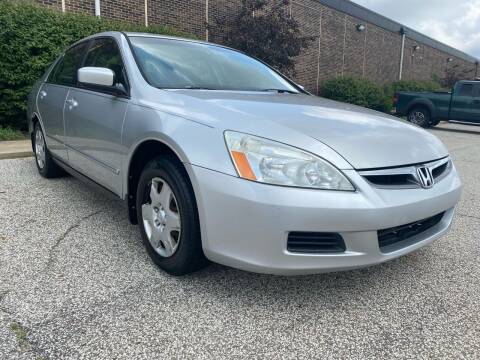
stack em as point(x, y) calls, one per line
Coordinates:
point(462, 102)
point(476, 104)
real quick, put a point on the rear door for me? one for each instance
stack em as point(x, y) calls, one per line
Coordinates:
point(94, 120)
point(462, 102)
point(52, 95)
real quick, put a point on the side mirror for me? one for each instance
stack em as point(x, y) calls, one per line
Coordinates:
point(96, 76)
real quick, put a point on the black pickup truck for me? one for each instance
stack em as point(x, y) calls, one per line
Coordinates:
point(429, 108)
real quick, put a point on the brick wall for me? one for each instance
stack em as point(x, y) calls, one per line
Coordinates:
point(80, 6)
point(338, 47)
point(128, 10)
point(188, 16)
point(55, 4)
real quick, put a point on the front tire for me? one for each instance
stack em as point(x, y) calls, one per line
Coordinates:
point(168, 217)
point(420, 116)
point(45, 164)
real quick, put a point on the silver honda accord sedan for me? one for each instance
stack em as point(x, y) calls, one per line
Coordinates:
point(219, 157)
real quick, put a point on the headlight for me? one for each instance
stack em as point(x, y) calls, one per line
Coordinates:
point(270, 162)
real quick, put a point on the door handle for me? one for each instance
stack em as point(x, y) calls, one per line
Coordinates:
point(476, 101)
point(71, 103)
point(42, 94)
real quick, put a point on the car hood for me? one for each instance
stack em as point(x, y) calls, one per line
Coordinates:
point(365, 138)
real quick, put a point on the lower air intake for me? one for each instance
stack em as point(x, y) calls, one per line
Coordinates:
point(315, 243)
point(395, 236)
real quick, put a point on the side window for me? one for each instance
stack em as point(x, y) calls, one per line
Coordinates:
point(65, 72)
point(476, 91)
point(466, 90)
point(105, 53)
point(51, 76)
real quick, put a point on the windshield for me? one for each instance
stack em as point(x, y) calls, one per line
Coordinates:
point(177, 64)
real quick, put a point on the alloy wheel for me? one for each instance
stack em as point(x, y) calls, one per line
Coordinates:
point(161, 218)
point(40, 148)
point(417, 117)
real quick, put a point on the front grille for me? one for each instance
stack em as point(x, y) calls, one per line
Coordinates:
point(315, 243)
point(398, 234)
point(440, 171)
point(395, 180)
point(405, 177)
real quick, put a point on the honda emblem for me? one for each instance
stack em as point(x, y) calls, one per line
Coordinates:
point(425, 177)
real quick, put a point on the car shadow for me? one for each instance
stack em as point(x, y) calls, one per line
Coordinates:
point(329, 289)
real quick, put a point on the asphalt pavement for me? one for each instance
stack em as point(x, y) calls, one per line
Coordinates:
point(77, 283)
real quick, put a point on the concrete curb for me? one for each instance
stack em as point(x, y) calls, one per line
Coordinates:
point(16, 155)
point(15, 149)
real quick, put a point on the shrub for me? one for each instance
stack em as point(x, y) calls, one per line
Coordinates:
point(7, 133)
point(356, 91)
point(31, 37)
point(366, 93)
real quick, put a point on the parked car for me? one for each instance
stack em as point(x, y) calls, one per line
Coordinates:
point(427, 109)
point(218, 156)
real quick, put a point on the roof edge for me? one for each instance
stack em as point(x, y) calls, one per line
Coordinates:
point(370, 16)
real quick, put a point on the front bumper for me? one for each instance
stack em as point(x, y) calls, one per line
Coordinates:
point(246, 224)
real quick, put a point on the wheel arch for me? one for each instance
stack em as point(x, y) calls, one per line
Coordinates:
point(34, 119)
point(422, 103)
point(141, 154)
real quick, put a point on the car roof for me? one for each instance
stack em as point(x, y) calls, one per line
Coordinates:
point(159, 36)
point(169, 37)
point(142, 34)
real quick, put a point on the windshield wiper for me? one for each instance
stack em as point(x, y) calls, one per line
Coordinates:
point(281, 91)
point(191, 87)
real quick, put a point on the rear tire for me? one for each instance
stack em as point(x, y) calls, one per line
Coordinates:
point(420, 116)
point(45, 164)
point(168, 217)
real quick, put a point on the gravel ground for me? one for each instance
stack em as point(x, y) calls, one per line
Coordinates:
point(76, 283)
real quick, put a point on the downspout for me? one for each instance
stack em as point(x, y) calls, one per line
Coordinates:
point(63, 5)
point(402, 52)
point(344, 44)
point(146, 13)
point(207, 25)
point(319, 53)
point(364, 51)
point(97, 7)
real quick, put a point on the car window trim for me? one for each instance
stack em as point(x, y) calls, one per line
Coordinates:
point(53, 68)
point(96, 88)
point(82, 62)
point(62, 56)
point(137, 63)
